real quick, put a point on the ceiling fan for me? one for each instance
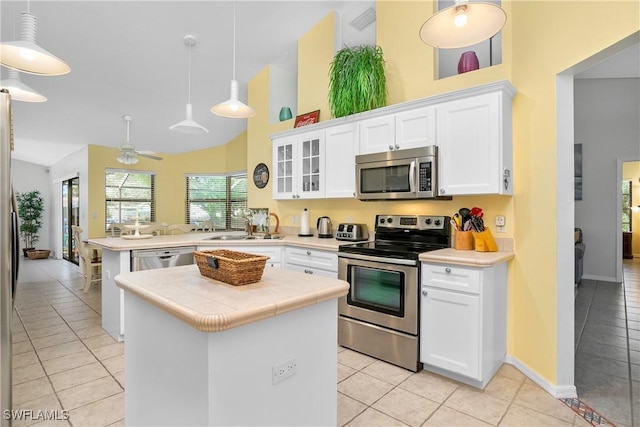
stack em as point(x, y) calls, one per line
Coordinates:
point(128, 153)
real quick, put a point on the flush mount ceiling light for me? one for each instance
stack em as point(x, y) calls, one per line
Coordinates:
point(20, 91)
point(233, 108)
point(463, 24)
point(26, 56)
point(189, 125)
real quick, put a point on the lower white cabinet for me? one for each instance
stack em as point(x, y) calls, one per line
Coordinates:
point(311, 261)
point(463, 321)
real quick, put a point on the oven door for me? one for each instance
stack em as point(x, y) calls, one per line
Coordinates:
point(381, 292)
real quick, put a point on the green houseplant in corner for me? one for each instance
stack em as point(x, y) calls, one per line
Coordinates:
point(30, 210)
point(356, 80)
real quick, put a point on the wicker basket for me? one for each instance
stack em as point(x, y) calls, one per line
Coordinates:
point(235, 268)
point(38, 254)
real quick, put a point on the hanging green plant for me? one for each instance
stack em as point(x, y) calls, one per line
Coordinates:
point(356, 80)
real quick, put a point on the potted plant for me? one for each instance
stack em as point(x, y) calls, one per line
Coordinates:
point(356, 80)
point(30, 210)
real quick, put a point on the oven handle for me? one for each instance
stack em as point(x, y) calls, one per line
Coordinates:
point(395, 261)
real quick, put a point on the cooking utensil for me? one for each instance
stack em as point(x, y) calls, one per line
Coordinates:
point(456, 220)
point(455, 225)
point(464, 218)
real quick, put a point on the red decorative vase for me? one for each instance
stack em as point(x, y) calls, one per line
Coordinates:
point(468, 62)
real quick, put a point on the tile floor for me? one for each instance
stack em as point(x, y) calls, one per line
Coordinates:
point(607, 342)
point(63, 360)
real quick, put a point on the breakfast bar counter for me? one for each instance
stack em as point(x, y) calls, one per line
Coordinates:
point(202, 352)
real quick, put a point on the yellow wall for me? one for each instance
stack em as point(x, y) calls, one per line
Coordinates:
point(540, 39)
point(631, 172)
point(170, 182)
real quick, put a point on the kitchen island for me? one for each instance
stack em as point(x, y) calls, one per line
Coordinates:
point(116, 259)
point(202, 352)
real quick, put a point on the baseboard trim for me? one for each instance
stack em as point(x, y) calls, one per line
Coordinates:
point(600, 278)
point(557, 391)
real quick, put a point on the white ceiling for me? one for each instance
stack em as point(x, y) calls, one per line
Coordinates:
point(128, 57)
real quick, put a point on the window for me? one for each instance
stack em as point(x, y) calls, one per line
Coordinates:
point(129, 194)
point(626, 206)
point(214, 198)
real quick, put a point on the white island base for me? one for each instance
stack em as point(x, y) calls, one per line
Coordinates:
point(178, 375)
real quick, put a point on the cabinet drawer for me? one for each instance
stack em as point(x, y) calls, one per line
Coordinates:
point(452, 278)
point(314, 271)
point(312, 258)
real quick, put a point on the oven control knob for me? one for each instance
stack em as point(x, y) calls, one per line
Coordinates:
point(427, 221)
point(437, 222)
point(381, 220)
point(390, 220)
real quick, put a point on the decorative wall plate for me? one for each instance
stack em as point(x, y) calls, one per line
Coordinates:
point(261, 175)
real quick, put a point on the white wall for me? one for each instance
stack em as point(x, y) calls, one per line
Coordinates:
point(75, 164)
point(606, 123)
point(28, 177)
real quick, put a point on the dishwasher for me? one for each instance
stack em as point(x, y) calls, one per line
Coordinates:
point(148, 259)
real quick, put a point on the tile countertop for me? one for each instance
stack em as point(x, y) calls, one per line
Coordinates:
point(199, 239)
point(212, 306)
point(468, 258)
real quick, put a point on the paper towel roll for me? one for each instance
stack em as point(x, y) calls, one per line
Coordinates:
point(304, 222)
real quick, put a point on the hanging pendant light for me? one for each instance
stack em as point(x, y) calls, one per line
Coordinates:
point(20, 91)
point(463, 24)
point(233, 108)
point(26, 56)
point(189, 125)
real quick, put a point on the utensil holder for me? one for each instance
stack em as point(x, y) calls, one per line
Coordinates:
point(463, 241)
point(484, 241)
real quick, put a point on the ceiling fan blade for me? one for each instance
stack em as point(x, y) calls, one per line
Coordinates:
point(149, 155)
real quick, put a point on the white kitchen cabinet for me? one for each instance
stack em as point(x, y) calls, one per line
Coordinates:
point(299, 166)
point(413, 128)
point(340, 177)
point(474, 141)
point(463, 321)
point(311, 261)
point(377, 134)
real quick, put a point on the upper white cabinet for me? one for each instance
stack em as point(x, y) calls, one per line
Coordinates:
point(471, 127)
point(474, 145)
point(340, 177)
point(408, 129)
point(298, 164)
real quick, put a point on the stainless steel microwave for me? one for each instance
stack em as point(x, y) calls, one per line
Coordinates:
point(398, 174)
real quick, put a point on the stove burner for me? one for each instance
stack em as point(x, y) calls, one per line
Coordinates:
point(405, 236)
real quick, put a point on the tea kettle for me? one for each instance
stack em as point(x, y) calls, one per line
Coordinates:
point(324, 227)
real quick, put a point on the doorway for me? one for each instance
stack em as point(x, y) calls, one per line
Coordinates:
point(70, 216)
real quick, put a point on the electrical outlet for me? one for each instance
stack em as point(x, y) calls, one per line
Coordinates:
point(500, 220)
point(283, 371)
point(349, 219)
point(296, 218)
point(500, 224)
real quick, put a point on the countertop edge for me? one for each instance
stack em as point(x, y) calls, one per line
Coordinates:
point(467, 258)
point(223, 322)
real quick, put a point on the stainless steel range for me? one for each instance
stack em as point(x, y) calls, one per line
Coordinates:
point(381, 313)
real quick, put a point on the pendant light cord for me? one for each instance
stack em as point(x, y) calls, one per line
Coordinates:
point(234, 40)
point(189, 85)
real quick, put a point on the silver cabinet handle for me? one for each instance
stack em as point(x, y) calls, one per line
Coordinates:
point(442, 191)
point(448, 270)
point(424, 292)
point(308, 271)
point(397, 147)
point(390, 147)
point(308, 252)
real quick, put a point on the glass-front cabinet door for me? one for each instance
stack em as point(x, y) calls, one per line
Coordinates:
point(311, 183)
point(283, 168)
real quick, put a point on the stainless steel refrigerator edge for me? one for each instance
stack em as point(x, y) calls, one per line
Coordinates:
point(9, 247)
